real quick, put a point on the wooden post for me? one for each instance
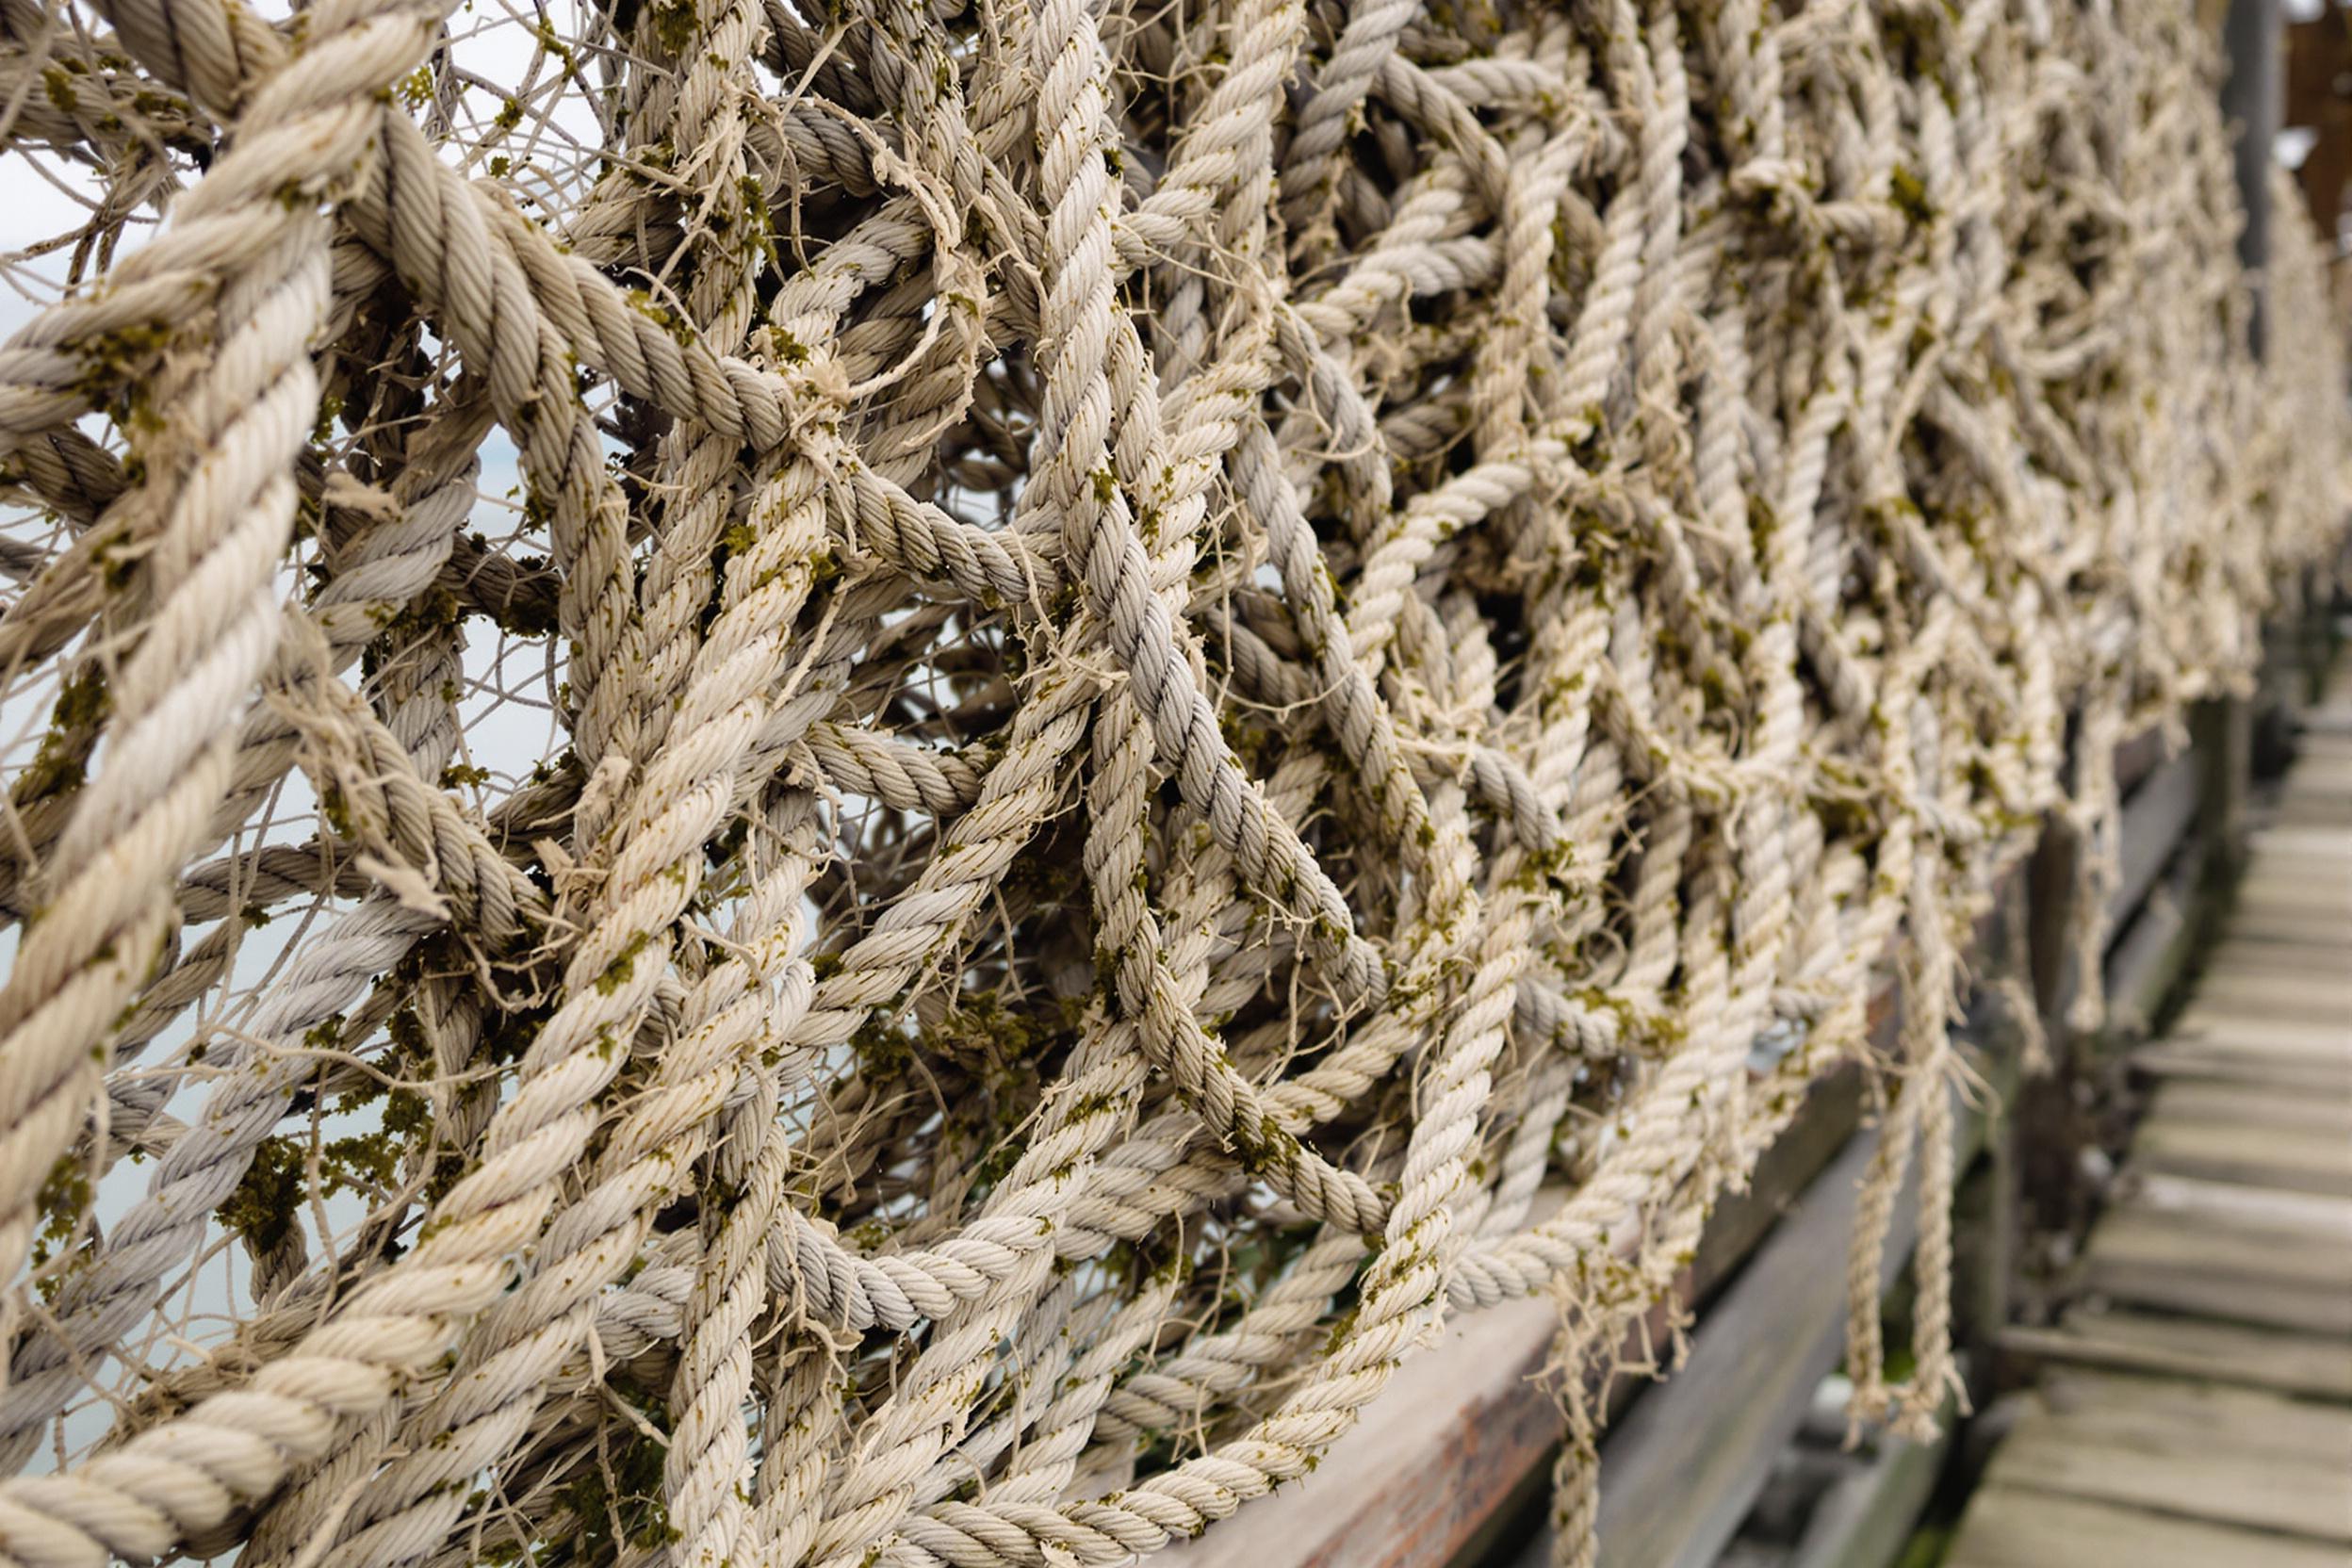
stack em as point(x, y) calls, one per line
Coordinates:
point(2222, 734)
point(1986, 1234)
point(2251, 101)
point(2050, 875)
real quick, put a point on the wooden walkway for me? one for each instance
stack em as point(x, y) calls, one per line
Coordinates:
point(2196, 1410)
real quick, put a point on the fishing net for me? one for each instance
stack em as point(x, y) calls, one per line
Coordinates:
point(875, 783)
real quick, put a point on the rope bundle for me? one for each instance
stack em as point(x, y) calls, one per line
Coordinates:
point(1183, 651)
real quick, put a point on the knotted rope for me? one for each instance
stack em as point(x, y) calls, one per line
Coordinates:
point(1146, 663)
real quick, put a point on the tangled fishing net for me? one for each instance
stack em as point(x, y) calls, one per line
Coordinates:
point(874, 784)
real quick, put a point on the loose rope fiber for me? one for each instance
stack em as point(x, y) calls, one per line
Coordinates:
point(1167, 691)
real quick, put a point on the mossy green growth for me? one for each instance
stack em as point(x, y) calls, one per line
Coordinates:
point(618, 1501)
point(1909, 194)
point(264, 1201)
point(65, 1196)
point(57, 764)
point(673, 25)
point(624, 964)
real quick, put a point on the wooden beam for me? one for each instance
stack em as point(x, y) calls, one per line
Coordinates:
point(2156, 822)
point(1415, 1490)
point(1864, 1518)
point(1679, 1473)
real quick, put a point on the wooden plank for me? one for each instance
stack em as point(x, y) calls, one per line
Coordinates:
point(2318, 936)
point(2306, 878)
point(2237, 1207)
point(2282, 852)
point(2136, 1237)
point(2273, 839)
point(2221, 736)
point(1375, 1499)
point(2169, 1412)
point(2202, 1059)
point(1682, 1471)
point(2326, 721)
point(2301, 900)
point(2052, 874)
point(2144, 966)
point(2230, 1029)
point(2299, 863)
point(1684, 1465)
point(2323, 767)
point(1426, 1477)
point(2313, 855)
point(2186, 1472)
point(2214, 1275)
point(2320, 986)
point(1463, 1433)
point(2281, 928)
point(2156, 820)
point(2315, 884)
point(2138, 757)
point(2316, 803)
point(2257, 1156)
point(2254, 1106)
point(1833, 1109)
point(2316, 932)
point(2197, 1203)
point(2012, 1528)
point(2306, 997)
point(2304, 896)
point(2302, 1364)
point(1864, 1518)
point(2242, 958)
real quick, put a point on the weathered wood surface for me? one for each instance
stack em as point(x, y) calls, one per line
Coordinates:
point(2152, 831)
point(1863, 1519)
point(2159, 1262)
point(1680, 1472)
point(2197, 1406)
point(1680, 1477)
point(1475, 1411)
point(2251, 1460)
point(2311, 1366)
point(2015, 1527)
point(2263, 1156)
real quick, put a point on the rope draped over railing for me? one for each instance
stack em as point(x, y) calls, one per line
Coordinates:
point(1186, 648)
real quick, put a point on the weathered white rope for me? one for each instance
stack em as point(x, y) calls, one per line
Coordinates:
point(1182, 652)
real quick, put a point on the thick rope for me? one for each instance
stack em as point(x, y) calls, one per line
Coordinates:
point(1145, 666)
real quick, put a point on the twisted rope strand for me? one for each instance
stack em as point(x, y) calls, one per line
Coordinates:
point(1144, 665)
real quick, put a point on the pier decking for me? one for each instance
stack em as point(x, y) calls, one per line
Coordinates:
point(2196, 1409)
